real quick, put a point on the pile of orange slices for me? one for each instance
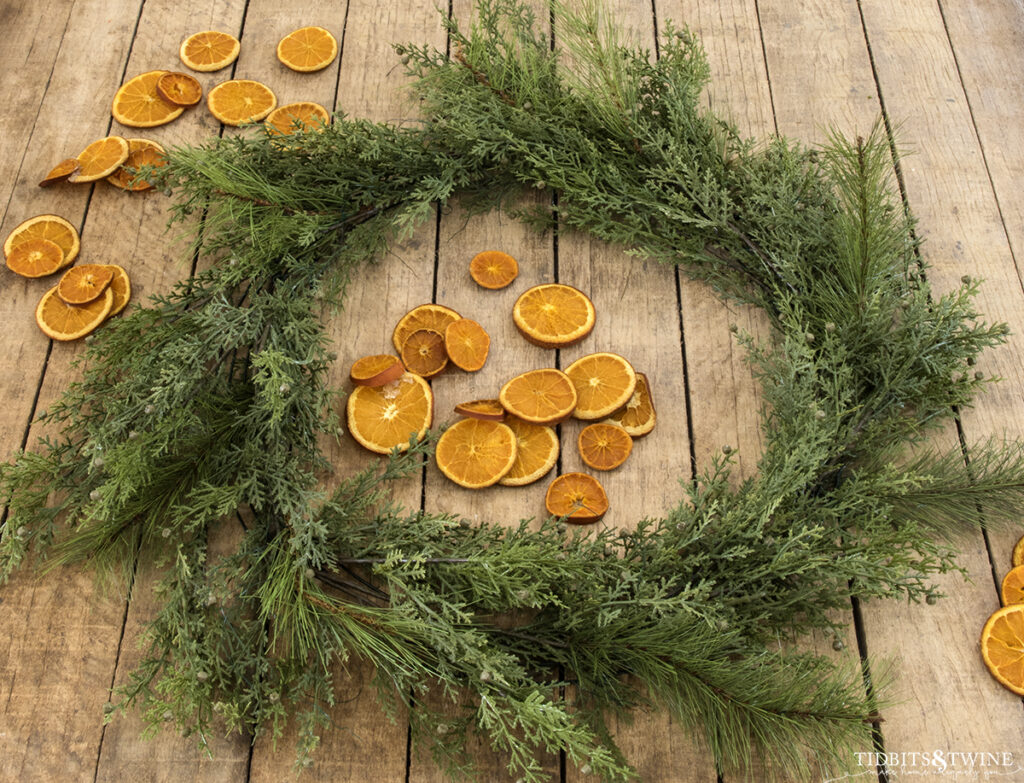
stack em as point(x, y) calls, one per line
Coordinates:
point(112, 158)
point(1002, 638)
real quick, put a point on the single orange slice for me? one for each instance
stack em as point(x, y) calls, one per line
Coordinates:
point(544, 396)
point(1017, 558)
point(100, 159)
point(239, 101)
point(1012, 590)
point(604, 446)
point(384, 418)
point(51, 227)
point(63, 321)
point(423, 353)
point(301, 116)
point(121, 287)
point(81, 284)
point(467, 344)
point(141, 152)
point(179, 89)
point(209, 50)
point(475, 453)
point(307, 49)
point(1002, 646)
point(137, 104)
point(493, 269)
point(60, 172)
point(35, 258)
point(577, 497)
point(536, 452)
point(376, 370)
point(425, 316)
point(604, 383)
point(553, 315)
point(637, 417)
point(489, 410)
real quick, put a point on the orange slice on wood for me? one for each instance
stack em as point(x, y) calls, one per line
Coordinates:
point(1012, 589)
point(467, 344)
point(489, 410)
point(307, 49)
point(376, 370)
point(553, 315)
point(121, 288)
point(423, 353)
point(1017, 557)
point(384, 418)
point(63, 321)
point(35, 258)
point(84, 283)
point(536, 452)
point(100, 159)
point(424, 316)
point(604, 446)
point(239, 101)
point(51, 227)
point(137, 104)
point(179, 89)
point(301, 116)
point(141, 152)
point(577, 497)
point(493, 269)
point(637, 417)
point(209, 50)
point(60, 172)
point(1002, 646)
point(544, 396)
point(604, 383)
point(475, 453)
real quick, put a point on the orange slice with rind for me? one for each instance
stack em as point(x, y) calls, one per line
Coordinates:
point(209, 50)
point(121, 287)
point(179, 89)
point(35, 258)
point(493, 269)
point(604, 382)
point(100, 159)
point(1017, 556)
point(536, 452)
point(83, 283)
point(553, 315)
point(545, 396)
point(489, 410)
point(577, 498)
point(467, 344)
point(423, 353)
point(424, 316)
point(1012, 589)
point(137, 104)
point(60, 172)
point(141, 152)
point(62, 321)
point(240, 101)
point(385, 418)
point(475, 453)
point(51, 227)
point(1002, 646)
point(638, 416)
point(297, 117)
point(376, 370)
point(307, 49)
point(604, 446)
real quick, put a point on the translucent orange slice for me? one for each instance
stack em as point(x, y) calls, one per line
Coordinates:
point(1002, 646)
point(553, 315)
point(423, 353)
point(1017, 558)
point(101, 158)
point(301, 116)
point(489, 410)
point(60, 172)
point(544, 396)
point(376, 370)
point(604, 382)
point(141, 152)
point(239, 101)
point(1012, 590)
point(384, 418)
point(475, 453)
point(63, 321)
point(425, 316)
point(84, 283)
point(307, 49)
point(209, 50)
point(35, 258)
point(137, 104)
point(121, 288)
point(536, 452)
point(604, 446)
point(179, 89)
point(493, 269)
point(637, 417)
point(51, 227)
point(577, 497)
point(467, 344)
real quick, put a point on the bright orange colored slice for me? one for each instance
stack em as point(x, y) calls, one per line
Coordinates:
point(63, 321)
point(60, 172)
point(493, 269)
point(101, 158)
point(239, 101)
point(137, 104)
point(489, 410)
point(467, 344)
point(81, 284)
point(423, 353)
point(35, 258)
point(384, 418)
point(604, 383)
point(179, 89)
point(544, 396)
point(553, 315)
point(121, 287)
point(1017, 558)
point(209, 50)
point(1012, 590)
point(424, 316)
point(637, 417)
point(301, 116)
point(475, 453)
point(51, 227)
point(141, 152)
point(307, 49)
point(1002, 646)
point(577, 497)
point(376, 370)
point(536, 452)
point(604, 446)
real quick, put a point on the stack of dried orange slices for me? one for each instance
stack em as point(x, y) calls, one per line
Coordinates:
point(113, 158)
point(1002, 638)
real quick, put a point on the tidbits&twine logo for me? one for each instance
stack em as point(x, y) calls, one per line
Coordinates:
point(952, 764)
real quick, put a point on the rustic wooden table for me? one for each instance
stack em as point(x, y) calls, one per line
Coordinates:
point(949, 74)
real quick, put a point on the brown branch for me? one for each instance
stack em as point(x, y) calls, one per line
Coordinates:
point(481, 77)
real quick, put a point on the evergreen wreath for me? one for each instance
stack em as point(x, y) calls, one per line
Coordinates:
point(207, 405)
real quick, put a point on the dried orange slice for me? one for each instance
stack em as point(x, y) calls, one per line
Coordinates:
point(423, 353)
point(81, 284)
point(467, 344)
point(141, 152)
point(121, 287)
point(553, 315)
point(179, 89)
point(544, 396)
point(489, 410)
point(307, 49)
point(51, 227)
point(637, 417)
point(301, 116)
point(1002, 646)
point(536, 452)
point(35, 258)
point(493, 269)
point(604, 446)
point(100, 159)
point(63, 321)
point(424, 316)
point(475, 453)
point(577, 497)
point(604, 383)
point(1017, 558)
point(239, 101)
point(383, 418)
point(1012, 590)
point(138, 105)
point(209, 50)
point(376, 370)
point(60, 172)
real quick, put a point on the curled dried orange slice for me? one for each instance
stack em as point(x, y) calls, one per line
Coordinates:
point(301, 116)
point(1002, 646)
point(35, 258)
point(423, 353)
point(60, 172)
point(376, 370)
point(637, 417)
point(100, 159)
point(121, 288)
point(577, 497)
point(604, 383)
point(475, 453)
point(467, 344)
point(209, 50)
point(137, 104)
point(63, 321)
point(179, 89)
point(1012, 589)
point(239, 101)
point(1017, 557)
point(384, 418)
point(489, 410)
point(141, 152)
point(51, 227)
point(544, 396)
point(81, 284)
point(604, 446)
point(424, 316)
point(553, 315)
point(307, 49)
point(536, 452)
point(493, 269)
